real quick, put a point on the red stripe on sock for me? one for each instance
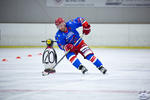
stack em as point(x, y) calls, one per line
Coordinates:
point(93, 58)
point(72, 59)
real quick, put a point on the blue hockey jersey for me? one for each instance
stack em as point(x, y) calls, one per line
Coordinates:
point(72, 35)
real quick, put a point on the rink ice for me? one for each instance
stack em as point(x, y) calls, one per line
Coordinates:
point(21, 79)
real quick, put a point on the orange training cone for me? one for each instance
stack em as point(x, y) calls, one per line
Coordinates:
point(39, 53)
point(18, 57)
point(4, 60)
point(29, 55)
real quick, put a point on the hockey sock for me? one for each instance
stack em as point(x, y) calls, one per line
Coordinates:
point(94, 60)
point(73, 59)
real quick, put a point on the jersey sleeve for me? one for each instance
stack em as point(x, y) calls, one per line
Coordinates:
point(77, 22)
point(61, 41)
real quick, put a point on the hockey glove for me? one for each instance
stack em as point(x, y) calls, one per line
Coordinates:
point(86, 29)
point(68, 47)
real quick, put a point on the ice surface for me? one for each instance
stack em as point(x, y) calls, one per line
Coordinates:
point(21, 79)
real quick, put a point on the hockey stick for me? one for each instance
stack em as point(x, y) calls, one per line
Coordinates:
point(45, 41)
point(67, 52)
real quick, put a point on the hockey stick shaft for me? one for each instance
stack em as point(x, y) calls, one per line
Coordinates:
point(67, 52)
point(45, 41)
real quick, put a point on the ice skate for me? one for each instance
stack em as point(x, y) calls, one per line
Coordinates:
point(83, 69)
point(102, 69)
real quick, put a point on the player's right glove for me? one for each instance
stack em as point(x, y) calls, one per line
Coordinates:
point(68, 47)
point(86, 28)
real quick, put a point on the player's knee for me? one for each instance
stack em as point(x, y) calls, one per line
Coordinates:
point(85, 51)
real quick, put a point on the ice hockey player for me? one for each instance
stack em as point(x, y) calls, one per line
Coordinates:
point(66, 38)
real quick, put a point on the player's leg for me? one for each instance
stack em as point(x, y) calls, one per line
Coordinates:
point(96, 62)
point(76, 62)
point(89, 55)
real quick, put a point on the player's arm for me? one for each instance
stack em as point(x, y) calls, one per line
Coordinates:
point(82, 22)
point(60, 41)
point(62, 44)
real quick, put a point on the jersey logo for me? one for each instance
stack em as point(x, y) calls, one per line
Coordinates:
point(69, 35)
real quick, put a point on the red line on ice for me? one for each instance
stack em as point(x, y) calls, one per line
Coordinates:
point(52, 90)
